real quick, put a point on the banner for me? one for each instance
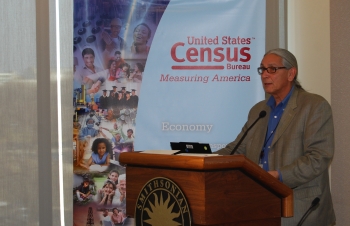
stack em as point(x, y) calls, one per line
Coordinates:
point(112, 39)
point(147, 73)
point(201, 79)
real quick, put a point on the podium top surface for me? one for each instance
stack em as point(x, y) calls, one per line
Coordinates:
point(204, 163)
point(199, 162)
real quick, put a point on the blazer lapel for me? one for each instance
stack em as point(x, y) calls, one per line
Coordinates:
point(287, 116)
point(259, 136)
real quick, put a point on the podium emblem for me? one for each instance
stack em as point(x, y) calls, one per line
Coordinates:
point(161, 202)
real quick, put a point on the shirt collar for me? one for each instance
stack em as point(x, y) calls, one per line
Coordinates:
point(271, 101)
point(85, 67)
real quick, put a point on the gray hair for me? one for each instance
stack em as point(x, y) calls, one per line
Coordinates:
point(288, 60)
point(122, 177)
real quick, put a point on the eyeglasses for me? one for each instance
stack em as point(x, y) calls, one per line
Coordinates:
point(270, 70)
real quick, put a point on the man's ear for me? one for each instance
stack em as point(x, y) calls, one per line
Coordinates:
point(292, 73)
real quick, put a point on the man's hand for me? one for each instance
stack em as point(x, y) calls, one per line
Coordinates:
point(274, 174)
point(106, 37)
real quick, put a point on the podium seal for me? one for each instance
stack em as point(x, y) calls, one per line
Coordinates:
point(161, 202)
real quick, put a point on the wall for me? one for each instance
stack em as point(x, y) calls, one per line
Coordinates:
point(340, 83)
point(318, 34)
point(309, 40)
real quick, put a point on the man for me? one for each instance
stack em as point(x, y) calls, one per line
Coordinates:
point(117, 139)
point(83, 191)
point(111, 99)
point(129, 137)
point(120, 101)
point(111, 42)
point(116, 129)
point(118, 59)
point(104, 100)
point(89, 129)
point(114, 89)
point(128, 101)
point(119, 198)
point(295, 141)
point(134, 99)
point(106, 218)
point(123, 90)
point(88, 69)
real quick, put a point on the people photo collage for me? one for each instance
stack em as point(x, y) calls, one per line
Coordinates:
point(112, 39)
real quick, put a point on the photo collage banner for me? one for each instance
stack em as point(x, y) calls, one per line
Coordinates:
point(147, 73)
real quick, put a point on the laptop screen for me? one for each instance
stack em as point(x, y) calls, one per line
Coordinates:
point(191, 147)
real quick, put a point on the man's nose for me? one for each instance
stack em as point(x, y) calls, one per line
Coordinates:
point(265, 74)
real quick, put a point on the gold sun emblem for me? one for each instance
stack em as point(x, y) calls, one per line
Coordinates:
point(161, 213)
point(161, 202)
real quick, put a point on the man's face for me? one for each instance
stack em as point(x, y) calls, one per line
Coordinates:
point(122, 185)
point(129, 133)
point(117, 137)
point(115, 28)
point(279, 83)
point(89, 60)
point(117, 57)
point(105, 213)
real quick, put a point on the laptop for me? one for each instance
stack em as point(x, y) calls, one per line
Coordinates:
point(191, 147)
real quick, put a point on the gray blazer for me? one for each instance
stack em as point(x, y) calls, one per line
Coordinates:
point(302, 150)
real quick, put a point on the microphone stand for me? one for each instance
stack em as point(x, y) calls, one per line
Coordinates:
point(262, 114)
point(313, 204)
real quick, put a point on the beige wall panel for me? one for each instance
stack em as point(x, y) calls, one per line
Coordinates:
point(311, 23)
point(340, 71)
point(309, 40)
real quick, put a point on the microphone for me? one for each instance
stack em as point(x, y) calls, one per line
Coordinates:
point(313, 204)
point(262, 114)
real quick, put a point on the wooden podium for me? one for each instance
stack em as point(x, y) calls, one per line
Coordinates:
point(220, 190)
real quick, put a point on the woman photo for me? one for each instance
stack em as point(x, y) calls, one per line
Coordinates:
point(105, 195)
point(136, 75)
point(141, 35)
point(112, 70)
point(113, 176)
point(123, 73)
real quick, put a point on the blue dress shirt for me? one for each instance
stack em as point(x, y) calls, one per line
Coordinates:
point(274, 119)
